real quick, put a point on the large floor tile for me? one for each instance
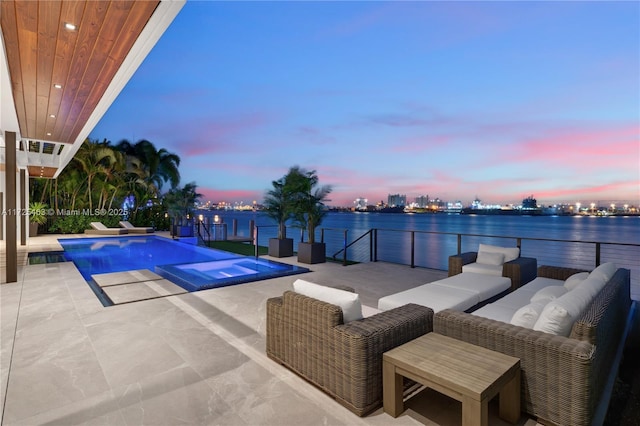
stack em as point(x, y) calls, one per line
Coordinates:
point(177, 396)
point(98, 410)
point(52, 370)
point(130, 352)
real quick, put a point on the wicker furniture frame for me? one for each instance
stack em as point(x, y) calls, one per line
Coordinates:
point(563, 378)
point(309, 337)
point(521, 270)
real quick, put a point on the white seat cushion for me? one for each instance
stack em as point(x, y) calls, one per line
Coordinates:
point(515, 299)
point(459, 292)
point(433, 296)
point(485, 286)
point(369, 311)
point(496, 312)
point(349, 302)
point(480, 268)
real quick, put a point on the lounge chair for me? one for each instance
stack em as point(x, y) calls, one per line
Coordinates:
point(97, 228)
point(135, 229)
point(520, 270)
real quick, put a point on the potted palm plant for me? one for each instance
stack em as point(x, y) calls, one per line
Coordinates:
point(278, 206)
point(180, 203)
point(37, 216)
point(309, 211)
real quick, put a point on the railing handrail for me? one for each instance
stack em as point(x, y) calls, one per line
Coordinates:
point(594, 255)
point(200, 222)
point(351, 243)
point(508, 237)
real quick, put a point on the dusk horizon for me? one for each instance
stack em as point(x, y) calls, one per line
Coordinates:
point(454, 100)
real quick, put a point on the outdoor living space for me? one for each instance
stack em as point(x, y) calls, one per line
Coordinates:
point(194, 358)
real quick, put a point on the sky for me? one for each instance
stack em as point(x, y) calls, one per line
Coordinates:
point(454, 100)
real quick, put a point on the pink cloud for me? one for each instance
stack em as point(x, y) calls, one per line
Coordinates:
point(615, 147)
point(198, 136)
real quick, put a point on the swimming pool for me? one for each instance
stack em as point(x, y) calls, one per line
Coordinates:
point(189, 266)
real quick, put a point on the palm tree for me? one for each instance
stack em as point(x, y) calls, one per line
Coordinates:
point(94, 158)
point(160, 166)
point(309, 199)
point(181, 201)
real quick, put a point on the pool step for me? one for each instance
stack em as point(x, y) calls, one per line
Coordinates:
point(135, 286)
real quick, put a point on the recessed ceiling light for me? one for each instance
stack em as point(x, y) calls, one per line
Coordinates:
point(69, 26)
point(52, 115)
point(48, 133)
point(58, 86)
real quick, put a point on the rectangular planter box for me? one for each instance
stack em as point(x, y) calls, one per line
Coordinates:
point(281, 247)
point(312, 253)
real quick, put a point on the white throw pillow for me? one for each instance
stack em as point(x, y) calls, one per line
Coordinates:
point(560, 314)
point(348, 301)
point(488, 258)
point(574, 280)
point(510, 253)
point(528, 315)
point(604, 271)
point(547, 294)
point(593, 285)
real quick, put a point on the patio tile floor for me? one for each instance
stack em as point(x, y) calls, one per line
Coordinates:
point(193, 358)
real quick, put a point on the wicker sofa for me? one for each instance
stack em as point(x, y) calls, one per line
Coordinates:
point(563, 378)
point(520, 270)
point(310, 337)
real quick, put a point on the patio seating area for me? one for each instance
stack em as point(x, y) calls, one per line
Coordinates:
point(195, 358)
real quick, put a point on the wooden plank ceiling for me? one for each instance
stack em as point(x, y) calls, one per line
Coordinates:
point(58, 75)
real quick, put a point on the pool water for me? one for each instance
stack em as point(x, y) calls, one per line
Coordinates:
point(189, 266)
point(203, 275)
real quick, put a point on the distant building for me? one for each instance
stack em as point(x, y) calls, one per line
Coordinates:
point(422, 201)
point(396, 200)
point(360, 204)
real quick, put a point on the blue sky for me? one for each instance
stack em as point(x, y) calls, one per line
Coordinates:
point(454, 100)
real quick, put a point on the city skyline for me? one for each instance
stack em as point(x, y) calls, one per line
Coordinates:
point(495, 100)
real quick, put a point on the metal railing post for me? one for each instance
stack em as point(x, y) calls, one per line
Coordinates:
point(375, 245)
point(413, 249)
point(371, 245)
point(344, 255)
point(597, 255)
point(255, 239)
point(459, 243)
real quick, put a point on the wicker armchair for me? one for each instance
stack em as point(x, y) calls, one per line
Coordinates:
point(520, 271)
point(344, 360)
point(563, 378)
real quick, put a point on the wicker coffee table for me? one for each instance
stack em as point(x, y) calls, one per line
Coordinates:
point(470, 374)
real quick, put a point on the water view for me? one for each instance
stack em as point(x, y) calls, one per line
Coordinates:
point(436, 236)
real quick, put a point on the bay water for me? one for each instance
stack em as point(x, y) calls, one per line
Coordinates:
point(435, 236)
